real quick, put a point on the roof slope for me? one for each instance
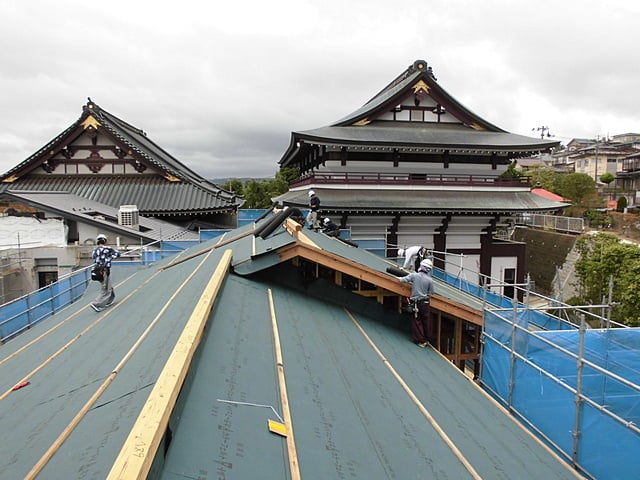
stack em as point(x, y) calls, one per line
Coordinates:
point(405, 84)
point(103, 216)
point(371, 124)
point(364, 402)
point(152, 195)
point(372, 200)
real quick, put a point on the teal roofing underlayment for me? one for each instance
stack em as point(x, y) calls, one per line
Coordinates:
point(364, 402)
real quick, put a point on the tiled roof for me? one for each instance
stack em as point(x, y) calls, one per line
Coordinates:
point(428, 201)
point(549, 195)
point(427, 135)
point(152, 194)
point(187, 192)
point(92, 212)
point(365, 127)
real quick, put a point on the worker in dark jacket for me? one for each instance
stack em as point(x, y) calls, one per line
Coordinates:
point(314, 211)
point(330, 228)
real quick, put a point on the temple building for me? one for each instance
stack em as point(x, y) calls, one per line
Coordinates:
point(413, 166)
point(99, 175)
point(104, 159)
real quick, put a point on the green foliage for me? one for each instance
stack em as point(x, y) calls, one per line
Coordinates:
point(511, 173)
point(288, 174)
point(597, 219)
point(607, 178)
point(621, 204)
point(258, 194)
point(544, 177)
point(604, 258)
point(234, 185)
point(578, 187)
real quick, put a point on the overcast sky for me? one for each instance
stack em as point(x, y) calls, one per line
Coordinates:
point(221, 85)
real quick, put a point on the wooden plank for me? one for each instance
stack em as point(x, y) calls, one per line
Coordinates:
point(381, 280)
point(141, 446)
point(346, 266)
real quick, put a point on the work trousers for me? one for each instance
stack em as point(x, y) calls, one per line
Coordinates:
point(421, 330)
point(106, 294)
point(312, 219)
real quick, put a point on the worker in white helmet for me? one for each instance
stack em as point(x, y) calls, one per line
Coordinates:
point(330, 228)
point(421, 291)
point(102, 257)
point(314, 211)
point(412, 256)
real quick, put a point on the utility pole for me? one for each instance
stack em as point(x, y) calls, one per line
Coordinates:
point(598, 141)
point(544, 131)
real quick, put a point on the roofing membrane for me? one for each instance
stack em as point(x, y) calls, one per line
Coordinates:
point(363, 401)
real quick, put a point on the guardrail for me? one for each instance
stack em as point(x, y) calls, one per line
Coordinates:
point(551, 222)
point(24, 312)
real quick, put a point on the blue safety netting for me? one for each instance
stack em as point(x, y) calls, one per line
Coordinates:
point(24, 312)
point(586, 406)
point(540, 319)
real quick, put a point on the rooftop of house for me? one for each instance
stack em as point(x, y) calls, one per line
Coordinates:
point(242, 360)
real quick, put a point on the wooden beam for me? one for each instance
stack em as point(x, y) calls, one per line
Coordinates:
point(346, 266)
point(382, 280)
point(456, 310)
point(141, 446)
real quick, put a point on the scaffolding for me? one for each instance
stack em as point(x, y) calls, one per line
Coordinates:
point(576, 387)
point(569, 373)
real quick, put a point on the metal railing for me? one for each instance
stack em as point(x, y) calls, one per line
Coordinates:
point(355, 178)
point(551, 222)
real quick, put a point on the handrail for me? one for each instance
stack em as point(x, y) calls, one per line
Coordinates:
point(22, 313)
point(406, 179)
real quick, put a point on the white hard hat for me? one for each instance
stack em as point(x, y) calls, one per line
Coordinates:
point(401, 252)
point(426, 263)
point(327, 220)
point(101, 236)
point(311, 193)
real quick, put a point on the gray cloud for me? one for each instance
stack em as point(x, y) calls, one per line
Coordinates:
point(222, 85)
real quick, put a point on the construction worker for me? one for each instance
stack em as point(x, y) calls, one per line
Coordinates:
point(102, 256)
point(412, 255)
point(421, 291)
point(314, 211)
point(330, 228)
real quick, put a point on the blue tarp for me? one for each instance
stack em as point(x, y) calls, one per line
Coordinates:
point(538, 375)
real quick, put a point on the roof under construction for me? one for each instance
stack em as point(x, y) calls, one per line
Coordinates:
point(239, 358)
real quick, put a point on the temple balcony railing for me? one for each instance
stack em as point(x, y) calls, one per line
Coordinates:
point(408, 179)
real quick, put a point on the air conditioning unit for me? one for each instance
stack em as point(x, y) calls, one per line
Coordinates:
point(128, 216)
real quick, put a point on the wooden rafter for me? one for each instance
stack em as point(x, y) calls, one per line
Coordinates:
point(306, 249)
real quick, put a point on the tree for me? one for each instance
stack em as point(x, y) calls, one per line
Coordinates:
point(621, 204)
point(258, 194)
point(511, 173)
point(578, 187)
point(601, 258)
point(288, 174)
point(233, 185)
point(607, 178)
point(255, 194)
point(544, 177)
